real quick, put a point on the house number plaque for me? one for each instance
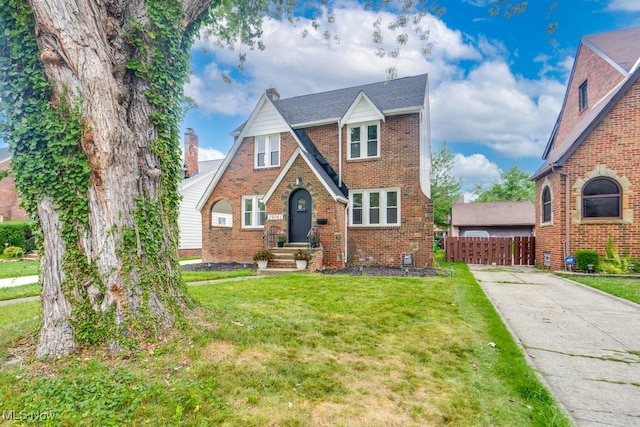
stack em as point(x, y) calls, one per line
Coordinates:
point(275, 217)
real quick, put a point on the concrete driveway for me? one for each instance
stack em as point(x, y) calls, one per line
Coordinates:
point(585, 344)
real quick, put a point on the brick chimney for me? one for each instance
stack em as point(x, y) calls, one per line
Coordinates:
point(190, 153)
point(272, 93)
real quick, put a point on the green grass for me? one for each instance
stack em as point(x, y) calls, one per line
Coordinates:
point(298, 350)
point(189, 276)
point(13, 268)
point(622, 287)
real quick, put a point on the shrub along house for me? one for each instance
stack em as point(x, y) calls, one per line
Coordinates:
point(587, 188)
point(350, 166)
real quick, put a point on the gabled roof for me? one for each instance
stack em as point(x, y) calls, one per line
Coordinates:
point(206, 169)
point(388, 96)
point(621, 47)
point(318, 171)
point(492, 214)
point(5, 154)
point(622, 50)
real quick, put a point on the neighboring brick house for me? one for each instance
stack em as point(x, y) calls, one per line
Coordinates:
point(10, 209)
point(587, 190)
point(493, 219)
point(353, 164)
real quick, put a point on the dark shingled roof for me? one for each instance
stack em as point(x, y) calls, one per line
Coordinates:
point(388, 95)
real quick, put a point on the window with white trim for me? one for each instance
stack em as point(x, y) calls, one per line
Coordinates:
point(222, 214)
point(364, 140)
point(267, 150)
point(376, 207)
point(253, 212)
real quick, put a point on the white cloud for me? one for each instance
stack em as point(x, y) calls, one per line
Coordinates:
point(205, 153)
point(624, 5)
point(489, 104)
point(475, 169)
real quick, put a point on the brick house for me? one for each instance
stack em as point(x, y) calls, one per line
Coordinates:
point(10, 209)
point(587, 188)
point(350, 166)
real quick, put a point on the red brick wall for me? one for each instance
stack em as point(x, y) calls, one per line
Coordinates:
point(613, 148)
point(398, 166)
point(9, 201)
point(601, 78)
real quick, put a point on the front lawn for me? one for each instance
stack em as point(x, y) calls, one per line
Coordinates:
point(18, 268)
point(296, 350)
point(623, 287)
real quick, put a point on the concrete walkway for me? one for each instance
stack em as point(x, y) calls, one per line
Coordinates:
point(585, 344)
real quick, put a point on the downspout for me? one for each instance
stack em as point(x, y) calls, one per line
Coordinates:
point(339, 154)
point(567, 216)
point(346, 231)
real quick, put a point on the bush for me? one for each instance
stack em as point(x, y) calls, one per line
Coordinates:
point(584, 257)
point(613, 263)
point(263, 255)
point(13, 251)
point(17, 234)
point(302, 255)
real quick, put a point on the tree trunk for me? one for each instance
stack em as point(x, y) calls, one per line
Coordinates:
point(113, 277)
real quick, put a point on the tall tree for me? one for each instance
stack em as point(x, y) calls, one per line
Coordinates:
point(445, 187)
point(91, 94)
point(513, 186)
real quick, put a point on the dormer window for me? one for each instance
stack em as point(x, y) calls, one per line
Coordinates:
point(364, 140)
point(267, 151)
point(582, 95)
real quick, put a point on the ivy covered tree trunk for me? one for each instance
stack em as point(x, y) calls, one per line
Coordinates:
point(91, 93)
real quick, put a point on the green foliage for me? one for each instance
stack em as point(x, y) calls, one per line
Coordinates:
point(263, 255)
point(13, 251)
point(302, 255)
point(584, 257)
point(612, 262)
point(514, 186)
point(445, 188)
point(17, 234)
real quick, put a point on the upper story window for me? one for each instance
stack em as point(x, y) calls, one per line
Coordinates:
point(546, 205)
point(375, 207)
point(601, 198)
point(267, 150)
point(253, 212)
point(364, 140)
point(583, 99)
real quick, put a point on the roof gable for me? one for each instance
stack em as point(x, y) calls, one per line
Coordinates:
point(362, 109)
point(5, 154)
point(621, 47)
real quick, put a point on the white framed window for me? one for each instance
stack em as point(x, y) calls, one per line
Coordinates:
point(364, 140)
point(222, 214)
point(253, 212)
point(267, 151)
point(376, 207)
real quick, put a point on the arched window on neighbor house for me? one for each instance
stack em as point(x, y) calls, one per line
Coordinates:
point(221, 214)
point(601, 198)
point(546, 205)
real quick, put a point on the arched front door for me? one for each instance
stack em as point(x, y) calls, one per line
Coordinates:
point(299, 215)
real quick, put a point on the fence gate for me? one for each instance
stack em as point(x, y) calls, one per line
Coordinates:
point(491, 250)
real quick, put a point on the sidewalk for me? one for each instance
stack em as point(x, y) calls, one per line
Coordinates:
point(584, 344)
point(26, 280)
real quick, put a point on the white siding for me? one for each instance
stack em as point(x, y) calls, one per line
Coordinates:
point(189, 218)
point(363, 112)
point(267, 122)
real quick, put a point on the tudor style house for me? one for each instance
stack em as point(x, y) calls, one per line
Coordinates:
point(587, 190)
point(349, 166)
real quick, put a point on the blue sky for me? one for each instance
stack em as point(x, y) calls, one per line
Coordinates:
point(496, 84)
